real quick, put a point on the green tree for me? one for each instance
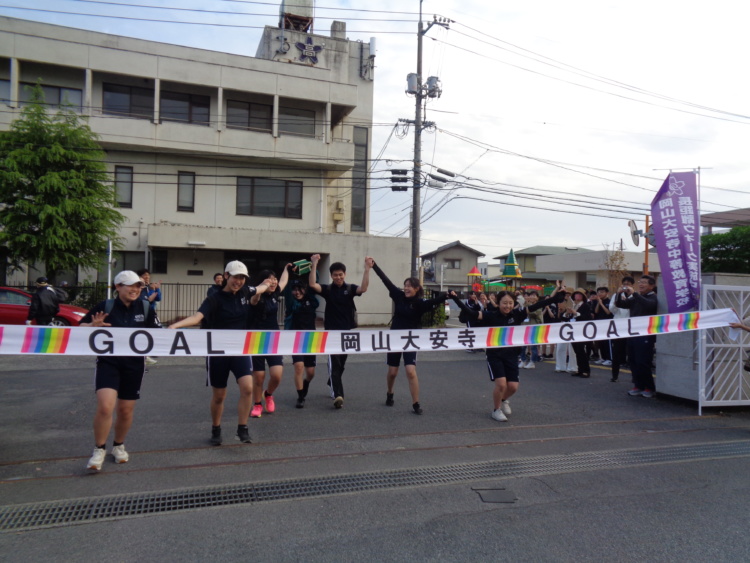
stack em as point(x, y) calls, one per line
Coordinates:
point(726, 252)
point(56, 200)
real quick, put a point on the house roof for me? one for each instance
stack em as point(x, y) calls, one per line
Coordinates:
point(543, 251)
point(450, 245)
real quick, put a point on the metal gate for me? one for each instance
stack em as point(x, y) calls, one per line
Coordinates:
point(723, 380)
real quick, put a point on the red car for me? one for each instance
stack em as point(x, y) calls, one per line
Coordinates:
point(14, 309)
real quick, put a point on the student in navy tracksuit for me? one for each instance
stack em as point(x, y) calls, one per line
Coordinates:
point(409, 309)
point(228, 309)
point(118, 378)
point(303, 307)
point(503, 361)
point(339, 314)
point(264, 316)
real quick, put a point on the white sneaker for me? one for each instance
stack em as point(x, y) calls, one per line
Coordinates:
point(607, 363)
point(150, 361)
point(97, 458)
point(119, 453)
point(498, 415)
point(505, 407)
point(521, 365)
point(530, 365)
point(599, 362)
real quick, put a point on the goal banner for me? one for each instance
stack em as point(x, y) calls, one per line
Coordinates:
point(106, 341)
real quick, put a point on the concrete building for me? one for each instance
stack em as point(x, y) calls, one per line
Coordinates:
point(215, 156)
point(447, 267)
point(589, 269)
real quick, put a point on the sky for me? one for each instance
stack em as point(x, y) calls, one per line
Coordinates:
point(560, 120)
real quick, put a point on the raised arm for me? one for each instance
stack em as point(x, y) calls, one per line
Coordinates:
point(387, 282)
point(284, 279)
point(366, 276)
point(312, 281)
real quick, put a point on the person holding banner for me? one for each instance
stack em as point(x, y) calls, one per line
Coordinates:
point(340, 314)
point(641, 303)
point(118, 378)
point(409, 308)
point(228, 309)
point(503, 361)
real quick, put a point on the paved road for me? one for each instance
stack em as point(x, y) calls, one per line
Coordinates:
point(590, 473)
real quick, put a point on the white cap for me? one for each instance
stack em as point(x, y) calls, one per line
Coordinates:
point(236, 268)
point(128, 277)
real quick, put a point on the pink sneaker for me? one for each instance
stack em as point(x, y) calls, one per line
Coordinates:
point(270, 404)
point(257, 410)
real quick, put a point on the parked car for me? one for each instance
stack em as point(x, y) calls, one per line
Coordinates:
point(14, 309)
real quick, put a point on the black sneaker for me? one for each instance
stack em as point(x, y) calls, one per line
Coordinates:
point(417, 408)
point(243, 435)
point(389, 399)
point(300, 402)
point(216, 436)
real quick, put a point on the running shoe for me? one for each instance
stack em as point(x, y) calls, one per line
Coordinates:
point(498, 415)
point(97, 458)
point(243, 435)
point(257, 410)
point(505, 407)
point(389, 399)
point(648, 394)
point(216, 436)
point(270, 404)
point(530, 365)
point(417, 408)
point(607, 363)
point(338, 402)
point(119, 453)
point(635, 392)
point(300, 402)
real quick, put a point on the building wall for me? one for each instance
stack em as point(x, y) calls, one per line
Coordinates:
point(338, 89)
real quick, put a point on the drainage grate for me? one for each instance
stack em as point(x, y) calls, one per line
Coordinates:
point(79, 511)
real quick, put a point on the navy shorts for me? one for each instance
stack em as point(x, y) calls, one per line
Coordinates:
point(259, 362)
point(124, 375)
point(309, 361)
point(218, 368)
point(393, 359)
point(503, 366)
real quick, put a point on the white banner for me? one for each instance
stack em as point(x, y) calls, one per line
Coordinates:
point(87, 341)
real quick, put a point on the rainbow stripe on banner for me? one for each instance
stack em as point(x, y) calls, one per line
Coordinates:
point(500, 336)
point(658, 325)
point(536, 334)
point(688, 321)
point(45, 340)
point(263, 343)
point(310, 343)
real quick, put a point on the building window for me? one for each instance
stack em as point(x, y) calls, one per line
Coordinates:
point(4, 90)
point(128, 101)
point(245, 115)
point(186, 191)
point(158, 261)
point(186, 108)
point(297, 121)
point(54, 96)
point(124, 186)
point(359, 180)
point(453, 264)
point(267, 197)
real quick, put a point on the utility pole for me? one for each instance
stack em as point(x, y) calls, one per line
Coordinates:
point(420, 92)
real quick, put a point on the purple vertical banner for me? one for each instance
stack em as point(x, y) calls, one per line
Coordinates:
point(675, 216)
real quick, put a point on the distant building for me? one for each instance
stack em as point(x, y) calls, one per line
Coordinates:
point(219, 157)
point(447, 267)
point(527, 262)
